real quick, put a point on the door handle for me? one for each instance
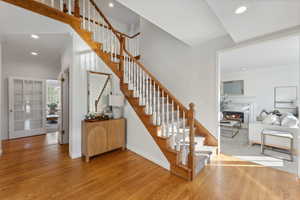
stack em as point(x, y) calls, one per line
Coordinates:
point(10, 110)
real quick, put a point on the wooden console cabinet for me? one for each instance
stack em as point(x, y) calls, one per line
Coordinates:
point(102, 136)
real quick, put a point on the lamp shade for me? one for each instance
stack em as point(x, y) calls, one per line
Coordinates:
point(116, 100)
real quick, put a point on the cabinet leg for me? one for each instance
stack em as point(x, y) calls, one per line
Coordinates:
point(87, 159)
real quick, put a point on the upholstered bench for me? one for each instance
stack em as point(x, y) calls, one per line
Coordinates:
point(278, 134)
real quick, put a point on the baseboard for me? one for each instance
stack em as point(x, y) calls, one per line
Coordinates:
point(149, 157)
point(75, 155)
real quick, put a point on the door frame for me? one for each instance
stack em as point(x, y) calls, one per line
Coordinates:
point(11, 107)
point(65, 107)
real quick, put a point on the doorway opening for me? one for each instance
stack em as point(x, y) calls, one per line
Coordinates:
point(32, 90)
point(259, 103)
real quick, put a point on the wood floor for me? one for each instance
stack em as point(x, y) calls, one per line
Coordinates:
point(38, 168)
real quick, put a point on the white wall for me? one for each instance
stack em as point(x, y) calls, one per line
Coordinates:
point(189, 73)
point(83, 60)
point(259, 84)
point(22, 67)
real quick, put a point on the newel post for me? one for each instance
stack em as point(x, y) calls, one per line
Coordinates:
point(76, 8)
point(191, 122)
point(122, 58)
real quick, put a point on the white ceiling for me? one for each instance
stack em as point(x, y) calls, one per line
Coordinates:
point(49, 46)
point(15, 36)
point(276, 53)
point(190, 21)
point(196, 21)
point(14, 19)
point(262, 17)
point(118, 12)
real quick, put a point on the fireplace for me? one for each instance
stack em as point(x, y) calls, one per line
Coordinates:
point(231, 115)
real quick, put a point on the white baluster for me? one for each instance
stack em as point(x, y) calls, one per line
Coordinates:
point(83, 15)
point(138, 46)
point(150, 96)
point(117, 48)
point(61, 5)
point(163, 114)
point(141, 87)
point(172, 138)
point(131, 74)
point(147, 93)
point(134, 79)
point(69, 7)
point(52, 3)
point(158, 106)
point(167, 117)
point(94, 23)
point(128, 71)
point(107, 40)
point(100, 31)
point(89, 15)
point(138, 77)
point(112, 53)
point(177, 137)
point(137, 80)
point(144, 89)
point(154, 105)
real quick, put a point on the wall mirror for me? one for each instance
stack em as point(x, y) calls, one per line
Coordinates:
point(99, 88)
point(285, 97)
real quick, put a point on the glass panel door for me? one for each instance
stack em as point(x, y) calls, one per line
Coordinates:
point(27, 107)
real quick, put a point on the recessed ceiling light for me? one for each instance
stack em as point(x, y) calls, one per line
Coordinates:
point(34, 53)
point(34, 36)
point(240, 10)
point(111, 5)
point(244, 69)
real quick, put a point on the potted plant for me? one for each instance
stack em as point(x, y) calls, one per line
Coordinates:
point(52, 108)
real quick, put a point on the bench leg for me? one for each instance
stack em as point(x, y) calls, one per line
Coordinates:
point(262, 146)
point(291, 149)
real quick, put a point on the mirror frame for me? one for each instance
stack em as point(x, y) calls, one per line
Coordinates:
point(108, 80)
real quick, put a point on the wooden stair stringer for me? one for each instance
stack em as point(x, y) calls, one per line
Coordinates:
point(44, 10)
point(96, 47)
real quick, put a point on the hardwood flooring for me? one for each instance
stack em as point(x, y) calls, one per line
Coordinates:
point(38, 168)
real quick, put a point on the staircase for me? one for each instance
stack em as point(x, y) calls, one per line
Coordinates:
point(186, 144)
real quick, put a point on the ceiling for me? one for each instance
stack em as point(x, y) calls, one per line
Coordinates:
point(262, 17)
point(118, 12)
point(191, 22)
point(275, 53)
point(24, 21)
point(196, 21)
point(49, 46)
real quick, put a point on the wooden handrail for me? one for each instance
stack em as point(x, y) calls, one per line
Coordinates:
point(130, 37)
point(122, 34)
